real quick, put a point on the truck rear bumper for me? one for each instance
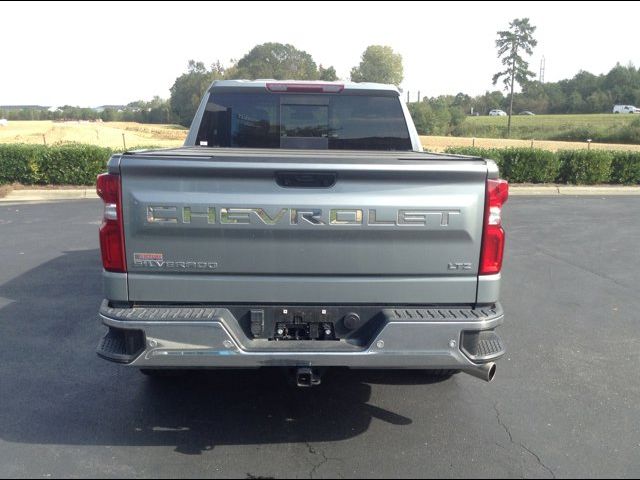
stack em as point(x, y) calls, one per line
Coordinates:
point(210, 337)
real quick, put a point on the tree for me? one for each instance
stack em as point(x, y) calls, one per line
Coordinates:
point(599, 101)
point(108, 115)
point(188, 89)
point(158, 111)
point(437, 116)
point(463, 101)
point(380, 65)
point(619, 81)
point(423, 117)
point(327, 74)
point(533, 98)
point(277, 61)
point(585, 83)
point(511, 44)
point(483, 104)
point(575, 103)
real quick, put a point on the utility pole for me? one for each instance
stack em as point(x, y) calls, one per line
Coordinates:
point(542, 67)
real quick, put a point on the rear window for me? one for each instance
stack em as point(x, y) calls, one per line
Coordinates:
point(322, 121)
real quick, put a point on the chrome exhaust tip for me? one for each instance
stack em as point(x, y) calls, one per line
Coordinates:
point(484, 372)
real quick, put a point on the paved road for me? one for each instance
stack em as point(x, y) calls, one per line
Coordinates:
point(565, 402)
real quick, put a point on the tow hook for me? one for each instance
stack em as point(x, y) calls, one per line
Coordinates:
point(307, 377)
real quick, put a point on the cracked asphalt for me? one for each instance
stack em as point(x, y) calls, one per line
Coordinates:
point(565, 401)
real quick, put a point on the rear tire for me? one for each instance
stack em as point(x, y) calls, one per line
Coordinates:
point(161, 373)
point(442, 373)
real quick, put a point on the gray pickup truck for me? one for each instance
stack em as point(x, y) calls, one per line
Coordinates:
point(302, 226)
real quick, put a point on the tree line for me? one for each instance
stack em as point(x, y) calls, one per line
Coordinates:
point(157, 110)
point(268, 60)
point(441, 115)
point(584, 93)
point(281, 62)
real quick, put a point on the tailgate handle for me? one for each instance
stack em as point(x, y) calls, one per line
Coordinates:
point(305, 179)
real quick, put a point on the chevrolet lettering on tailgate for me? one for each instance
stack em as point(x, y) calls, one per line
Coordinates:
point(296, 216)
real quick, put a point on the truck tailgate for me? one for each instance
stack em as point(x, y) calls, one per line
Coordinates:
point(321, 227)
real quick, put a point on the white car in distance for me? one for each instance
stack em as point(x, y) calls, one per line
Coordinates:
point(625, 109)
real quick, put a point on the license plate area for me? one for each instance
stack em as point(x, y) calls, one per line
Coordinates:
point(315, 323)
point(300, 330)
point(300, 323)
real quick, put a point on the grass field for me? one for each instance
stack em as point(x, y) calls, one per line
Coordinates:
point(439, 144)
point(95, 133)
point(137, 134)
point(605, 128)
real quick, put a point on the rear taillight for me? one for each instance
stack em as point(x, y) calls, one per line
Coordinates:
point(111, 231)
point(493, 233)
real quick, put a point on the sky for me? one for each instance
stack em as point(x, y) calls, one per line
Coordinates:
point(91, 54)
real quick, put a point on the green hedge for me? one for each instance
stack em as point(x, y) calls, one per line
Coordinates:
point(580, 167)
point(68, 164)
point(625, 168)
point(73, 165)
point(18, 162)
point(585, 167)
point(79, 164)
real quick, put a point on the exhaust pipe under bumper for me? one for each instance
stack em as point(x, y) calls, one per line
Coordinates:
point(484, 372)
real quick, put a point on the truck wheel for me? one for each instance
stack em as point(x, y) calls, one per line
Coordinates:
point(161, 373)
point(442, 373)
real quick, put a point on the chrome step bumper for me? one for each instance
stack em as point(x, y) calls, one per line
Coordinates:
point(209, 337)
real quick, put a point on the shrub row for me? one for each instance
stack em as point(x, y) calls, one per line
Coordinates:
point(64, 164)
point(79, 164)
point(580, 167)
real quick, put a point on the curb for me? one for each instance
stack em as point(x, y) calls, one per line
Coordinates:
point(30, 195)
point(573, 190)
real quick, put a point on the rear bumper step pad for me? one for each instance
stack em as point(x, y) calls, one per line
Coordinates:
point(210, 336)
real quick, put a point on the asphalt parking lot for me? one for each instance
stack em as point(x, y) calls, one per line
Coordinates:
point(565, 401)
